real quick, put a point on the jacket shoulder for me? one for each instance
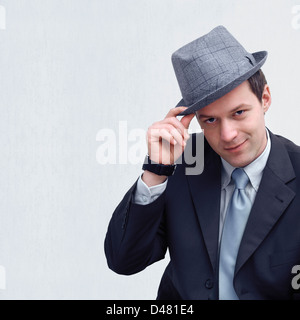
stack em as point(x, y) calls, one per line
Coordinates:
point(289, 145)
point(293, 151)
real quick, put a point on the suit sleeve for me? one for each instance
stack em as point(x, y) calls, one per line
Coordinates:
point(136, 235)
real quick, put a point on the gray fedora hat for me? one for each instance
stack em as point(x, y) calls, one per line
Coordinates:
point(211, 66)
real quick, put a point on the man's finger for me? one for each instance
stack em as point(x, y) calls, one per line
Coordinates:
point(175, 111)
point(186, 120)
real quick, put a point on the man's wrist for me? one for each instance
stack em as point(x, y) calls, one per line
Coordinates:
point(151, 179)
point(158, 168)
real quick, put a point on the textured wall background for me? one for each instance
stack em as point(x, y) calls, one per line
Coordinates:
point(71, 68)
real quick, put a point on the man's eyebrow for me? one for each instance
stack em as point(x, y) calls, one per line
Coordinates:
point(231, 111)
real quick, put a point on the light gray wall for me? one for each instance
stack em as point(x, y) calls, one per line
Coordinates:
point(71, 68)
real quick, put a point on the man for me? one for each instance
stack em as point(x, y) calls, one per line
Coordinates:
point(233, 230)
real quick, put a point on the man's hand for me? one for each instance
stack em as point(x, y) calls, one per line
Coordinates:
point(166, 141)
point(167, 138)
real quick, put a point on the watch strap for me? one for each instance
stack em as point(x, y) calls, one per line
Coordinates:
point(158, 168)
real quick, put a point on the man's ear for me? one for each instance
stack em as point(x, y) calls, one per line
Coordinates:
point(266, 98)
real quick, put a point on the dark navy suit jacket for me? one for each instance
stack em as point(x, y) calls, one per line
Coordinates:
point(185, 220)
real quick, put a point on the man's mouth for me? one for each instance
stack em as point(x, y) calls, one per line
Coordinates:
point(236, 147)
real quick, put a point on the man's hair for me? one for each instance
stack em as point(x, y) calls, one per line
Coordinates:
point(257, 84)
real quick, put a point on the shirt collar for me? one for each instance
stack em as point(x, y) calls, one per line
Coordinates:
point(254, 170)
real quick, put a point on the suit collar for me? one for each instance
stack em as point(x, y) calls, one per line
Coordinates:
point(272, 199)
point(279, 160)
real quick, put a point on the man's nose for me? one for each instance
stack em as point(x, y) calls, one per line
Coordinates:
point(228, 132)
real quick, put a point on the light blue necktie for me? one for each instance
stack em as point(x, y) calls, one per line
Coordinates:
point(235, 222)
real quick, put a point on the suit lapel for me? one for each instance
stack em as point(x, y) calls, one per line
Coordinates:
point(271, 201)
point(206, 191)
point(272, 198)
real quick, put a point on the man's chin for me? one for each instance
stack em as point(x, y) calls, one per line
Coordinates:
point(237, 161)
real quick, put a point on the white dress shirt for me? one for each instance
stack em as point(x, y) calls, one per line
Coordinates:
point(254, 171)
point(145, 195)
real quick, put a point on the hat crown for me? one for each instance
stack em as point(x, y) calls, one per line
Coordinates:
point(209, 63)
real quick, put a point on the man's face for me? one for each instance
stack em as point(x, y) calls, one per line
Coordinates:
point(234, 125)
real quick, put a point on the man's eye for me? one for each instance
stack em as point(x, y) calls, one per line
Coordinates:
point(239, 112)
point(210, 120)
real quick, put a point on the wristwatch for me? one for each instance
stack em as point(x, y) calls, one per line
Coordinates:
point(158, 168)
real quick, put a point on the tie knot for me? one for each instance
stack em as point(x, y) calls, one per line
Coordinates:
point(240, 178)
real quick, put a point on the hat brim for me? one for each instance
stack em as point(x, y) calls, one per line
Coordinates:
point(260, 58)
